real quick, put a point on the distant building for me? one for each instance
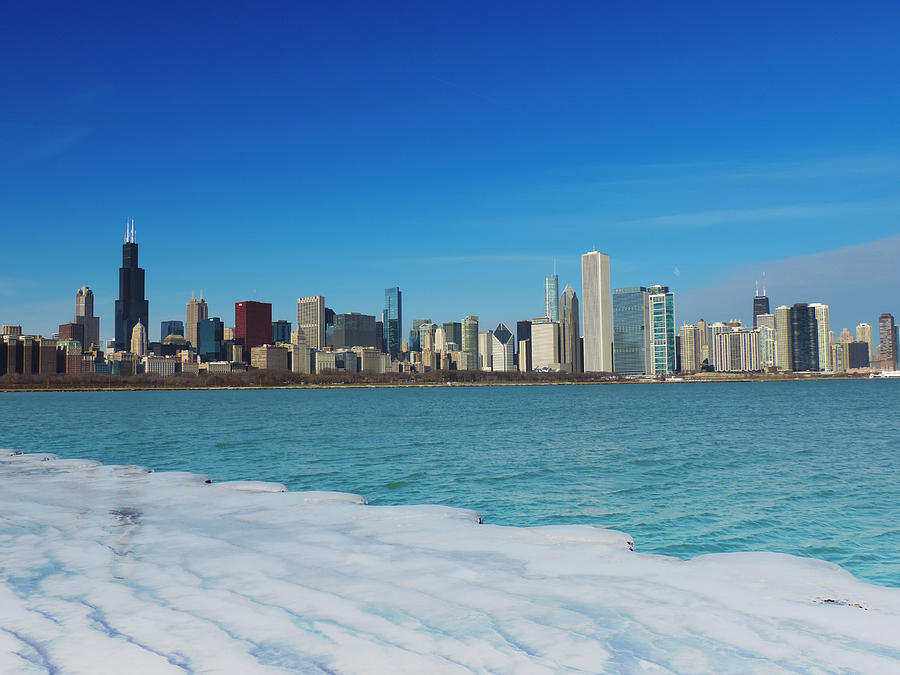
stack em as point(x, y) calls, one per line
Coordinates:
point(804, 338)
point(470, 342)
point(353, 330)
point(502, 349)
point(172, 327)
point(269, 357)
point(856, 355)
point(311, 320)
point(823, 331)
point(736, 351)
point(887, 348)
point(139, 343)
point(525, 365)
point(864, 334)
point(704, 342)
point(690, 348)
point(453, 333)
point(485, 350)
point(662, 330)
point(631, 330)
point(783, 347)
point(211, 340)
point(551, 297)
point(281, 331)
point(415, 340)
point(760, 305)
point(161, 366)
point(392, 319)
point(197, 311)
point(252, 324)
point(545, 344)
point(73, 332)
point(84, 314)
point(597, 310)
point(570, 345)
point(132, 306)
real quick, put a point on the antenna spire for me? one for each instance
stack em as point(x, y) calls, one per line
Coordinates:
point(764, 283)
point(757, 288)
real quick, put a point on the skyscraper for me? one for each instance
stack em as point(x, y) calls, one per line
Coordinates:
point(690, 348)
point(131, 307)
point(84, 314)
point(662, 330)
point(502, 349)
point(597, 303)
point(864, 334)
point(281, 332)
point(631, 330)
point(823, 329)
point(783, 348)
point(211, 339)
point(197, 311)
point(393, 321)
point(804, 338)
point(453, 333)
point(415, 342)
point(311, 320)
point(551, 297)
point(470, 342)
point(545, 344)
point(570, 342)
point(252, 325)
point(760, 304)
point(139, 339)
point(887, 349)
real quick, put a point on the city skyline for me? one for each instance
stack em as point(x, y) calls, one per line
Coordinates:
point(512, 141)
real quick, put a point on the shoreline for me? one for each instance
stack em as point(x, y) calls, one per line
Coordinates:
point(155, 385)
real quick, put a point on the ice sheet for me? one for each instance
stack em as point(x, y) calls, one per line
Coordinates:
point(112, 569)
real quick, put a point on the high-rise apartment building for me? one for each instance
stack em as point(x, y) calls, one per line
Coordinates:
point(311, 320)
point(631, 330)
point(864, 334)
point(393, 321)
point(760, 304)
point(570, 342)
point(887, 348)
point(132, 306)
point(690, 348)
point(823, 336)
point(252, 324)
point(783, 347)
point(502, 349)
point(704, 340)
point(736, 350)
point(596, 300)
point(662, 330)
point(804, 338)
point(485, 350)
point(171, 327)
point(197, 311)
point(551, 297)
point(84, 314)
point(470, 342)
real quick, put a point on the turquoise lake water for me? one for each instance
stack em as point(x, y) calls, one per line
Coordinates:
point(809, 468)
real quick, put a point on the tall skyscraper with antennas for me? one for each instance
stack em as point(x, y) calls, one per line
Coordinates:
point(760, 303)
point(132, 306)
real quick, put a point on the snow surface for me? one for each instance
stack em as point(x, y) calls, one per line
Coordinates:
point(116, 569)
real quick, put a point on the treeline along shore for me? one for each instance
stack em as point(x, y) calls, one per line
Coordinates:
point(262, 379)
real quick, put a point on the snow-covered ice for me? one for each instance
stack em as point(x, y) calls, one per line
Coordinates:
point(113, 569)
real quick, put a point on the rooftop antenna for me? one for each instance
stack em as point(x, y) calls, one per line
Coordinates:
point(126, 230)
point(764, 284)
point(757, 288)
point(132, 230)
point(554, 267)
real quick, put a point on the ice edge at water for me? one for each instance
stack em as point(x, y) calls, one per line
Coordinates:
point(107, 568)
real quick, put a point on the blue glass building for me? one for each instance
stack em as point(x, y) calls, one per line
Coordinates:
point(631, 330)
point(393, 321)
point(167, 328)
point(210, 339)
point(281, 331)
point(662, 330)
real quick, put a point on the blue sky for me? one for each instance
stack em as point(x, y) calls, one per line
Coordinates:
point(456, 151)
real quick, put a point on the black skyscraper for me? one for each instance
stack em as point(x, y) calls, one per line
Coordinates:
point(131, 306)
point(804, 338)
point(760, 304)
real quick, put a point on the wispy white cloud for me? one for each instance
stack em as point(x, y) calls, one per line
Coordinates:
point(487, 258)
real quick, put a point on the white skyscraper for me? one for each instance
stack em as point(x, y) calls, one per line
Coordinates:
point(502, 349)
point(311, 320)
point(824, 330)
point(596, 299)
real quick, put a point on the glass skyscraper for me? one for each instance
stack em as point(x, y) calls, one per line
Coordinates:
point(662, 330)
point(393, 321)
point(210, 339)
point(551, 297)
point(631, 337)
point(804, 338)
